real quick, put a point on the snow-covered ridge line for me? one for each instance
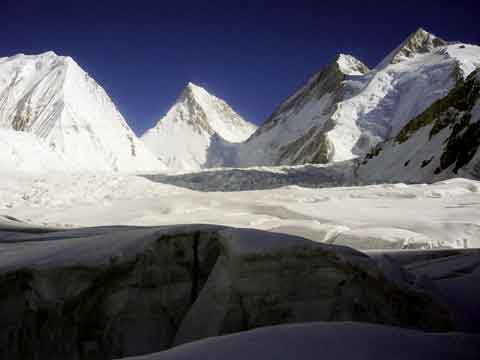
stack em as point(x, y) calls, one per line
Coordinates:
point(342, 114)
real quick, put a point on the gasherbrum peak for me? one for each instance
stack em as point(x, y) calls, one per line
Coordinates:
point(295, 132)
point(420, 42)
point(215, 115)
point(198, 128)
point(345, 110)
point(54, 117)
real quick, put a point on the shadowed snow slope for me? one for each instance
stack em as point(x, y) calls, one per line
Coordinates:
point(54, 117)
point(196, 131)
point(328, 341)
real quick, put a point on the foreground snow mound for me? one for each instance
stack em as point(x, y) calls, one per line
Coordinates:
point(345, 109)
point(112, 292)
point(328, 341)
point(197, 131)
point(54, 117)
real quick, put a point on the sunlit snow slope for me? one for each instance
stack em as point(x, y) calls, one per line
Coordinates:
point(442, 142)
point(444, 214)
point(345, 109)
point(54, 117)
point(197, 131)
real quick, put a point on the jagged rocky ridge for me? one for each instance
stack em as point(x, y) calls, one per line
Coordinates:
point(54, 117)
point(102, 293)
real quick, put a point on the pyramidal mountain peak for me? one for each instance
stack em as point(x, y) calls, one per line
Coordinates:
point(50, 106)
point(198, 120)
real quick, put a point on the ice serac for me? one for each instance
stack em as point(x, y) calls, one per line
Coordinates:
point(345, 110)
point(296, 132)
point(442, 142)
point(54, 117)
point(197, 132)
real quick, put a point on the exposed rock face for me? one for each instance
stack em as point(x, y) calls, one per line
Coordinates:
point(133, 291)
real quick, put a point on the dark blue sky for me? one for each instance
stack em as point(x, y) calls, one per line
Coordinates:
point(253, 54)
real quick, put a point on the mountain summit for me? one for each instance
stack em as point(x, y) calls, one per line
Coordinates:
point(54, 117)
point(295, 132)
point(186, 137)
point(420, 42)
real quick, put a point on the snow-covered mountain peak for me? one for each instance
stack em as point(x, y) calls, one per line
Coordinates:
point(420, 42)
point(192, 90)
point(185, 137)
point(350, 65)
point(203, 110)
point(291, 134)
point(50, 106)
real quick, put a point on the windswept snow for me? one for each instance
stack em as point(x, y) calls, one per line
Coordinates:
point(444, 214)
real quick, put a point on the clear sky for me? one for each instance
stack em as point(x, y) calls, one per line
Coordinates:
point(253, 54)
